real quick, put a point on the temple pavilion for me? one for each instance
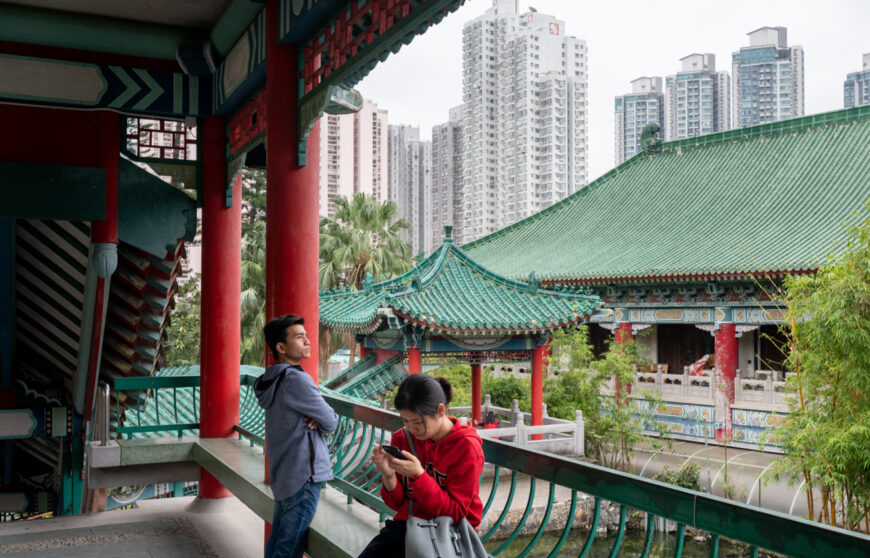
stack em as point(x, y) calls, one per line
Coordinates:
point(452, 307)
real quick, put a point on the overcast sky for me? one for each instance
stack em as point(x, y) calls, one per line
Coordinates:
point(627, 39)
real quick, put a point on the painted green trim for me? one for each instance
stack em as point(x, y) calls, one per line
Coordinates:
point(22, 24)
point(65, 100)
point(152, 215)
point(59, 192)
point(58, 421)
point(22, 414)
point(233, 24)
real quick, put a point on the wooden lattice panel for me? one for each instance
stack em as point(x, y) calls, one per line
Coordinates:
point(162, 139)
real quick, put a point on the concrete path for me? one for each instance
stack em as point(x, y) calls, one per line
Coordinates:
point(166, 528)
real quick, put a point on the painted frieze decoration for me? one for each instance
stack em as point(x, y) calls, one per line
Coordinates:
point(750, 426)
point(242, 70)
point(80, 85)
point(677, 418)
point(350, 45)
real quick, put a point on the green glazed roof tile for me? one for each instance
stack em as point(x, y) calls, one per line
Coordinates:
point(769, 198)
point(451, 292)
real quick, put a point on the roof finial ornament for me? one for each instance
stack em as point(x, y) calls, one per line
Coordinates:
point(533, 283)
point(448, 233)
point(649, 140)
point(368, 282)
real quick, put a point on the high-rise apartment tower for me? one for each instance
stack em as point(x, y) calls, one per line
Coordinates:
point(697, 99)
point(768, 79)
point(633, 111)
point(524, 123)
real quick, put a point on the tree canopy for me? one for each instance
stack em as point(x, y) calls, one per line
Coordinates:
point(826, 436)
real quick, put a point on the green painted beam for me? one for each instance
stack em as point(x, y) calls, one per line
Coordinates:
point(156, 450)
point(240, 468)
point(61, 192)
point(24, 24)
point(233, 24)
point(359, 525)
point(152, 215)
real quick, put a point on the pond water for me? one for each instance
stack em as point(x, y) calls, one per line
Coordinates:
point(632, 545)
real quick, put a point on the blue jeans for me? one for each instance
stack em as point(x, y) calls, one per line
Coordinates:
point(292, 517)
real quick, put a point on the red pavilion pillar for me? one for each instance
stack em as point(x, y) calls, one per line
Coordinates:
point(221, 283)
point(726, 371)
point(475, 395)
point(104, 240)
point(292, 194)
point(623, 334)
point(415, 361)
point(292, 197)
point(538, 387)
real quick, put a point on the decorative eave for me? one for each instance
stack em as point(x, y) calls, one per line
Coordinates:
point(468, 300)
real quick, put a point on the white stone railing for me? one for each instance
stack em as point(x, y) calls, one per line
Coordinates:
point(765, 388)
point(557, 435)
point(681, 385)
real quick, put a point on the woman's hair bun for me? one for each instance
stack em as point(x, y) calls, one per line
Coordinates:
point(448, 389)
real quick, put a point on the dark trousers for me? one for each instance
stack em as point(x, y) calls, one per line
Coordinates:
point(290, 523)
point(389, 543)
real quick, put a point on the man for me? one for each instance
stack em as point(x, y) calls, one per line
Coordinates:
point(297, 418)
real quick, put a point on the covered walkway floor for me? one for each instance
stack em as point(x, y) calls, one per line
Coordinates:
point(165, 528)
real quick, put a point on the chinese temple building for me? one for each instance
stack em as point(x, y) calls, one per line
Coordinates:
point(450, 306)
point(688, 242)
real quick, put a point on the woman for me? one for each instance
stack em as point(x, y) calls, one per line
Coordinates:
point(443, 481)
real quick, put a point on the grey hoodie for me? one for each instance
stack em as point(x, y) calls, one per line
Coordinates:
point(296, 453)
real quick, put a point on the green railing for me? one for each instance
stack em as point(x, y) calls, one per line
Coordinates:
point(361, 426)
point(158, 404)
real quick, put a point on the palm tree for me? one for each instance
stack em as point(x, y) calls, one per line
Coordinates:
point(362, 237)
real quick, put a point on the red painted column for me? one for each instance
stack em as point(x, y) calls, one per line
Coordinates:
point(109, 134)
point(538, 387)
point(362, 352)
point(292, 195)
point(104, 237)
point(726, 371)
point(475, 395)
point(292, 198)
point(382, 355)
point(622, 334)
point(415, 361)
point(221, 284)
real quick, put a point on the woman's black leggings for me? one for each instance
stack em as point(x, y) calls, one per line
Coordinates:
point(389, 543)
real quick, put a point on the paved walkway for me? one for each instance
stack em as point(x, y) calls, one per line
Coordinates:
point(167, 528)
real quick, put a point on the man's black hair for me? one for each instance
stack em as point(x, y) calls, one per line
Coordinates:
point(276, 331)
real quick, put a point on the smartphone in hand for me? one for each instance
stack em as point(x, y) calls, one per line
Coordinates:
point(394, 451)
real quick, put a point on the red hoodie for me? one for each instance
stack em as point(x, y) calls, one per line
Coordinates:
point(451, 483)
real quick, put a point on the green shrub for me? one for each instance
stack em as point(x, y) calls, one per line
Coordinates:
point(688, 476)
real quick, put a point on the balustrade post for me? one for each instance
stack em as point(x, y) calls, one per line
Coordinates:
point(579, 434)
point(521, 438)
point(515, 410)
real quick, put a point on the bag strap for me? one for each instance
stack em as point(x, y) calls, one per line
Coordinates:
point(410, 440)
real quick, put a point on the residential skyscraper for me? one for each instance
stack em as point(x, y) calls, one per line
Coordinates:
point(353, 156)
point(410, 183)
point(524, 124)
point(856, 88)
point(447, 177)
point(697, 99)
point(633, 111)
point(768, 79)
